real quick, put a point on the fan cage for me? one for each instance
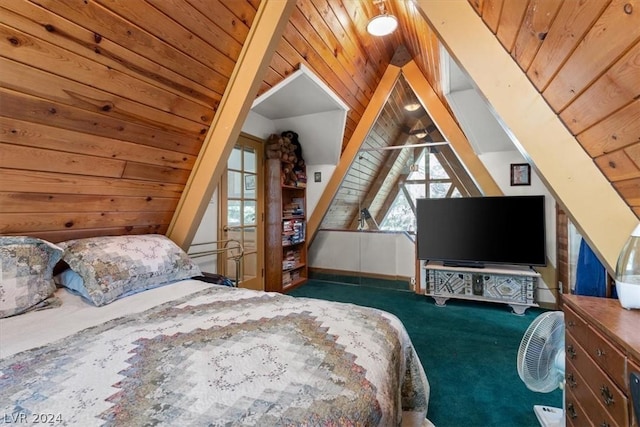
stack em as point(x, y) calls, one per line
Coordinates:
point(541, 353)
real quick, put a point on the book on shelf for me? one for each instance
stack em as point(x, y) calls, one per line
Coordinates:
point(293, 208)
point(291, 259)
point(293, 231)
point(286, 278)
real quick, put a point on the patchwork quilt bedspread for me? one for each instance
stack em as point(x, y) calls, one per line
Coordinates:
point(224, 357)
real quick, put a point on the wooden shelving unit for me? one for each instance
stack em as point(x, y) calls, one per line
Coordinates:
point(285, 231)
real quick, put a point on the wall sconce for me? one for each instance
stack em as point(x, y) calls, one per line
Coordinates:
point(382, 24)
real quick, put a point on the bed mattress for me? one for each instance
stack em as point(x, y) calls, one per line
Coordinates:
point(193, 353)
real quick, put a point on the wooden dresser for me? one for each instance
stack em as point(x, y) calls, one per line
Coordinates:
point(602, 344)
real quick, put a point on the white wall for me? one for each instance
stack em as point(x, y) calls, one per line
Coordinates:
point(261, 127)
point(320, 135)
point(258, 126)
point(315, 189)
point(383, 253)
point(493, 144)
point(207, 232)
point(498, 164)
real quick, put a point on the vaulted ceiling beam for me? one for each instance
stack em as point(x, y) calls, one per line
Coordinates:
point(443, 159)
point(449, 128)
point(455, 170)
point(594, 206)
point(377, 102)
point(391, 197)
point(264, 35)
point(383, 172)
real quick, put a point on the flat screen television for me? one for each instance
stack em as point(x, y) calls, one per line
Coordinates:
point(474, 231)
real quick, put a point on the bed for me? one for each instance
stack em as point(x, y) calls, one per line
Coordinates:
point(194, 353)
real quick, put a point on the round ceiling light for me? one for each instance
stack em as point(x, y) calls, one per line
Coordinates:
point(382, 25)
point(412, 106)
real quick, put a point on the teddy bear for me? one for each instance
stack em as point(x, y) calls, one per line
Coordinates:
point(288, 175)
point(295, 157)
point(275, 145)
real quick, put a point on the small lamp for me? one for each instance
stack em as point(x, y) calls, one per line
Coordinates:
point(382, 24)
point(628, 272)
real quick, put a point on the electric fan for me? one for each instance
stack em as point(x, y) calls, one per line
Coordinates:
point(541, 362)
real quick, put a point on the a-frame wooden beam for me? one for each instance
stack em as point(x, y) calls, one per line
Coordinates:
point(449, 129)
point(350, 152)
point(262, 40)
point(383, 171)
point(594, 206)
point(391, 197)
point(451, 164)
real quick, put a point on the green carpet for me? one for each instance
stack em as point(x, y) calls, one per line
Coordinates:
point(468, 350)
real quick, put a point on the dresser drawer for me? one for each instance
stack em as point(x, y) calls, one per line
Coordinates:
point(575, 325)
point(574, 414)
point(593, 408)
point(632, 367)
point(607, 357)
point(603, 390)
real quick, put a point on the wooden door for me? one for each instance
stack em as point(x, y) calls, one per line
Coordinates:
point(241, 211)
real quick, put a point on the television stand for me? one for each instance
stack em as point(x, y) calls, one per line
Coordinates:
point(463, 264)
point(510, 285)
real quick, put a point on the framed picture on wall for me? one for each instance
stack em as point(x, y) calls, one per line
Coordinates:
point(249, 182)
point(520, 174)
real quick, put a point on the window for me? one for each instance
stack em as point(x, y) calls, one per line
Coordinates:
point(427, 178)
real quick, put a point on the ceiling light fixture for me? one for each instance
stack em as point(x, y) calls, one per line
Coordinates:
point(382, 24)
point(412, 106)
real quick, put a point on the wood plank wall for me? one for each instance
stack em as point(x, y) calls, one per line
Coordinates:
point(584, 58)
point(328, 37)
point(104, 107)
point(104, 104)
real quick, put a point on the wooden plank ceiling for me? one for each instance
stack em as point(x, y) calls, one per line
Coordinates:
point(373, 180)
point(104, 104)
point(584, 58)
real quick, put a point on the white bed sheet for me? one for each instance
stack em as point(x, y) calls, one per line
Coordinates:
point(34, 329)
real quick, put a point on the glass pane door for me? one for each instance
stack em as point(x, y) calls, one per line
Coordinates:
point(241, 212)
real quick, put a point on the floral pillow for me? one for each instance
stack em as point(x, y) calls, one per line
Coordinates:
point(26, 270)
point(115, 266)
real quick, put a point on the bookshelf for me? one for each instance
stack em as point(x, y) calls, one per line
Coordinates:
point(285, 229)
